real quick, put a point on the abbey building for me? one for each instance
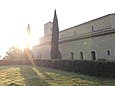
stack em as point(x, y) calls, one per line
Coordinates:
point(91, 40)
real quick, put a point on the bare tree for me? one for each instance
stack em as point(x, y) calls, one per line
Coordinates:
point(13, 53)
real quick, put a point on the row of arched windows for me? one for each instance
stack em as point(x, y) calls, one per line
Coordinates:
point(93, 55)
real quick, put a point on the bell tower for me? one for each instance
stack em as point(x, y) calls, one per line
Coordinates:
point(48, 28)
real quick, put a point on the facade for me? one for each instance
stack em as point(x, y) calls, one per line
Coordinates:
point(91, 40)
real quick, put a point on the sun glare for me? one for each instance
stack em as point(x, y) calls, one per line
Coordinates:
point(21, 44)
point(25, 41)
point(20, 41)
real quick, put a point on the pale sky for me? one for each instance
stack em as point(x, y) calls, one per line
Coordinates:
point(16, 14)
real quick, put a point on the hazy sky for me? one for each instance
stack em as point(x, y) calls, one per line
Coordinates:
point(16, 14)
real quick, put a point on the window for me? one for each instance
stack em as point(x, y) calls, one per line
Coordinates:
point(108, 52)
point(62, 36)
point(81, 55)
point(93, 55)
point(74, 33)
point(51, 28)
point(72, 55)
point(92, 27)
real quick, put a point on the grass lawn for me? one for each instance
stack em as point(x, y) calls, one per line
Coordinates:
point(39, 76)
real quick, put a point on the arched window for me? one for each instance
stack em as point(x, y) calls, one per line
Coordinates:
point(108, 52)
point(74, 33)
point(59, 55)
point(93, 55)
point(92, 27)
point(72, 56)
point(62, 35)
point(51, 28)
point(81, 55)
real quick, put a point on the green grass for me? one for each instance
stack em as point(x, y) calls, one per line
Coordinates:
point(39, 76)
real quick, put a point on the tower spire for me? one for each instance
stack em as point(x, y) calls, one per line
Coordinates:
point(26, 52)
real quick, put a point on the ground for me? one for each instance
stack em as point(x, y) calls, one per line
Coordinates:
point(39, 76)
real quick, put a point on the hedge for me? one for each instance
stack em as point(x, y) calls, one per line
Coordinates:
point(14, 62)
point(95, 68)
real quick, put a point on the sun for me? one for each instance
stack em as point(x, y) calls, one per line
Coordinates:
point(21, 40)
point(21, 44)
point(24, 39)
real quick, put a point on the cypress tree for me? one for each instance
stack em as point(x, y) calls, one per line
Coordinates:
point(26, 51)
point(55, 38)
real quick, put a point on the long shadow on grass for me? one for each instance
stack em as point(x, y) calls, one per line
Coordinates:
point(39, 76)
point(59, 78)
point(31, 77)
point(62, 78)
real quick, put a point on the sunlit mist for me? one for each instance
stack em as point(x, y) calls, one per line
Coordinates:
point(15, 15)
